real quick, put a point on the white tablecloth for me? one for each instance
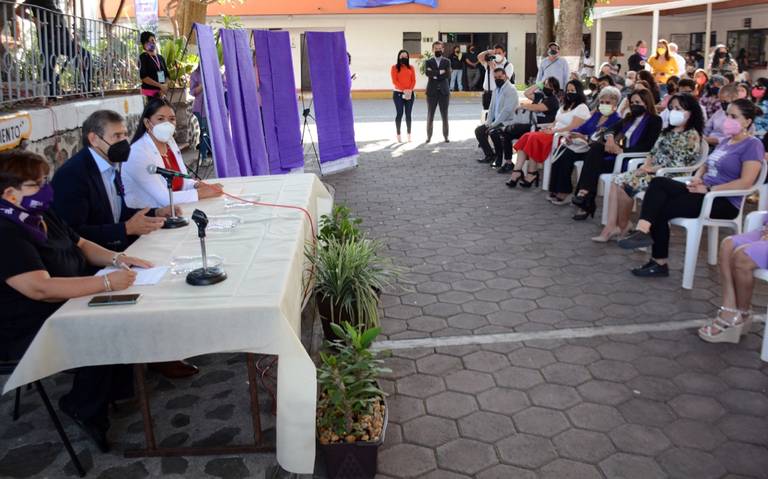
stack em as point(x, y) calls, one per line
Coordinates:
point(257, 309)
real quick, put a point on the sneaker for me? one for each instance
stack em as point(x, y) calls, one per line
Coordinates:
point(652, 269)
point(505, 168)
point(638, 239)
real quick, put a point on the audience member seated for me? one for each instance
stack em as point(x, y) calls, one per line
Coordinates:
point(602, 82)
point(544, 104)
point(709, 98)
point(624, 105)
point(743, 90)
point(760, 98)
point(46, 263)
point(637, 132)
point(688, 86)
point(576, 144)
point(653, 85)
point(672, 84)
point(701, 78)
point(678, 145)
point(153, 144)
point(537, 145)
point(88, 196)
point(500, 114)
point(713, 129)
point(629, 84)
point(734, 165)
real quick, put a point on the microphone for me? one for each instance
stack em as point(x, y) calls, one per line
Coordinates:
point(156, 170)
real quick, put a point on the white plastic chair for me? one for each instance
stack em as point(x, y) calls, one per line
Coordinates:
point(548, 162)
point(762, 203)
point(605, 179)
point(694, 227)
point(755, 221)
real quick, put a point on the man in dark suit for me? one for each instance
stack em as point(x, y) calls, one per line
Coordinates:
point(88, 195)
point(438, 71)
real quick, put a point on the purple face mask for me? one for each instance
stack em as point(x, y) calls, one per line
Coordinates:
point(40, 202)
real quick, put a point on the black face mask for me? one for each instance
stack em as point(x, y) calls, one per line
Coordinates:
point(547, 91)
point(118, 152)
point(403, 61)
point(637, 110)
point(500, 82)
point(571, 97)
point(593, 86)
point(724, 105)
point(438, 54)
point(553, 53)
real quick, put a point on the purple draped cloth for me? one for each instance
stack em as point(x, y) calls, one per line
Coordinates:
point(331, 86)
point(216, 108)
point(280, 111)
point(243, 99)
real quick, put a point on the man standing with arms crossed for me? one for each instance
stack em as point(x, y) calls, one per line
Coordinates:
point(438, 71)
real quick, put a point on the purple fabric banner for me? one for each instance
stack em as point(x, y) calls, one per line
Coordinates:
point(243, 99)
point(331, 86)
point(216, 108)
point(386, 3)
point(279, 108)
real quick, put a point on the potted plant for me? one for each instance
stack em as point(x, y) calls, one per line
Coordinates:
point(349, 275)
point(338, 225)
point(180, 65)
point(352, 413)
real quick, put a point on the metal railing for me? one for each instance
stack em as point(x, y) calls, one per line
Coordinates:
point(46, 54)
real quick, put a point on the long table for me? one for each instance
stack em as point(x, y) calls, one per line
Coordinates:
point(256, 310)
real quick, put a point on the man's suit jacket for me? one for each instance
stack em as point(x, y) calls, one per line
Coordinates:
point(80, 199)
point(508, 102)
point(437, 83)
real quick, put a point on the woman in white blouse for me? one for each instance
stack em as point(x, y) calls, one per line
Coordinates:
point(153, 144)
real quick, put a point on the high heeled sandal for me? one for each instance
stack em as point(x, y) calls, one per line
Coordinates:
point(513, 183)
point(534, 182)
point(615, 234)
point(726, 330)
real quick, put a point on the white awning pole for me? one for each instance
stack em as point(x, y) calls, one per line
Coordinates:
point(597, 55)
point(655, 31)
point(707, 32)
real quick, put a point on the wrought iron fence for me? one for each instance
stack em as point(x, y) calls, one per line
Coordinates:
point(46, 54)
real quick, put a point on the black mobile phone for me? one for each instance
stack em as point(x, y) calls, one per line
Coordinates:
point(113, 299)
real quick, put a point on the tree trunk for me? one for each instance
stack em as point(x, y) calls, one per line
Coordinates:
point(188, 13)
point(570, 31)
point(545, 25)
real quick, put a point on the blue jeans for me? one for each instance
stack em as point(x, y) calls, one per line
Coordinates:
point(205, 139)
point(403, 106)
point(456, 76)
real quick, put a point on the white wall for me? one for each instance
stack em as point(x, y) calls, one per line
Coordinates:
point(637, 27)
point(373, 41)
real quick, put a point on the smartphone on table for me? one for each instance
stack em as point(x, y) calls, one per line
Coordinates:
point(113, 299)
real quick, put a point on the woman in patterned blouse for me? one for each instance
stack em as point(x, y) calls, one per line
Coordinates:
point(678, 145)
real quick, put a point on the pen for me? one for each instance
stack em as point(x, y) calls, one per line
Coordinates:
point(125, 267)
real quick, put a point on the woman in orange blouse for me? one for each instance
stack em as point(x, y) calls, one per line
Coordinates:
point(403, 82)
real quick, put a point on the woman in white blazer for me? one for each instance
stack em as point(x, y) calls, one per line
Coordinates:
point(153, 144)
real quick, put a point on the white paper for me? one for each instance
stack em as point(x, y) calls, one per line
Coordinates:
point(144, 277)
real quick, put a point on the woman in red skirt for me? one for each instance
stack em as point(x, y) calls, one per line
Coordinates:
point(537, 145)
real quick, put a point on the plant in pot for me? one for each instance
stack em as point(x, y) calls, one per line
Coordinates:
point(351, 412)
point(180, 65)
point(339, 225)
point(349, 274)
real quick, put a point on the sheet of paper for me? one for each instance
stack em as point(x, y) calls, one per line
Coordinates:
point(144, 277)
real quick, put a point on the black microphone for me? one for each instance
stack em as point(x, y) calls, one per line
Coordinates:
point(154, 169)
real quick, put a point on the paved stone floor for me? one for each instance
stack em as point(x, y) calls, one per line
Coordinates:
point(519, 349)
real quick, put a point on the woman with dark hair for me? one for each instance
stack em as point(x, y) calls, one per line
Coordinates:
point(576, 144)
point(153, 144)
point(537, 145)
point(678, 145)
point(637, 132)
point(662, 63)
point(734, 165)
point(647, 77)
point(672, 83)
point(153, 70)
point(761, 100)
point(403, 83)
point(722, 63)
point(636, 61)
point(44, 264)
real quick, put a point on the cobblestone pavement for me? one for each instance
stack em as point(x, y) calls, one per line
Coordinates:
point(482, 260)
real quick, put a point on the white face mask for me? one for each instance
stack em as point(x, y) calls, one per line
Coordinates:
point(164, 131)
point(499, 58)
point(677, 117)
point(605, 110)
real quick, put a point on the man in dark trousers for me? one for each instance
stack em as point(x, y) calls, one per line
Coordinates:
point(88, 196)
point(438, 71)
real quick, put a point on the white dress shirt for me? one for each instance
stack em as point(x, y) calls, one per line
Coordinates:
point(108, 172)
point(147, 190)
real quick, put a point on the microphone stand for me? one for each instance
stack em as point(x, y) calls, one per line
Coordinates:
point(204, 276)
point(173, 221)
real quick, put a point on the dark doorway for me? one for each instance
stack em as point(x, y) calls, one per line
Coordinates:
point(306, 82)
point(531, 65)
point(481, 40)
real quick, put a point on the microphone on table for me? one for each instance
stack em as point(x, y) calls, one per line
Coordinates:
point(156, 170)
point(204, 276)
point(172, 221)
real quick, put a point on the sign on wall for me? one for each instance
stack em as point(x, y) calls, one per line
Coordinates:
point(385, 3)
point(13, 129)
point(146, 14)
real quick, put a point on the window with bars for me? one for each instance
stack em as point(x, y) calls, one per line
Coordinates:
point(412, 43)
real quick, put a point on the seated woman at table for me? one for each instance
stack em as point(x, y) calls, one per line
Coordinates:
point(153, 144)
point(636, 132)
point(537, 145)
point(576, 144)
point(44, 264)
point(734, 165)
point(678, 145)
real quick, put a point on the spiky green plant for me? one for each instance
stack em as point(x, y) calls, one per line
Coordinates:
point(339, 225)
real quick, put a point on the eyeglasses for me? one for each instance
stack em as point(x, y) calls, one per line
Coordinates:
point(35, 184)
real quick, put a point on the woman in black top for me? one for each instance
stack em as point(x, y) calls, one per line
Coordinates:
point(152, 68)
point(45, 263)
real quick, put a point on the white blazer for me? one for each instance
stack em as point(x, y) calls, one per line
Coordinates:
point(147, 190)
